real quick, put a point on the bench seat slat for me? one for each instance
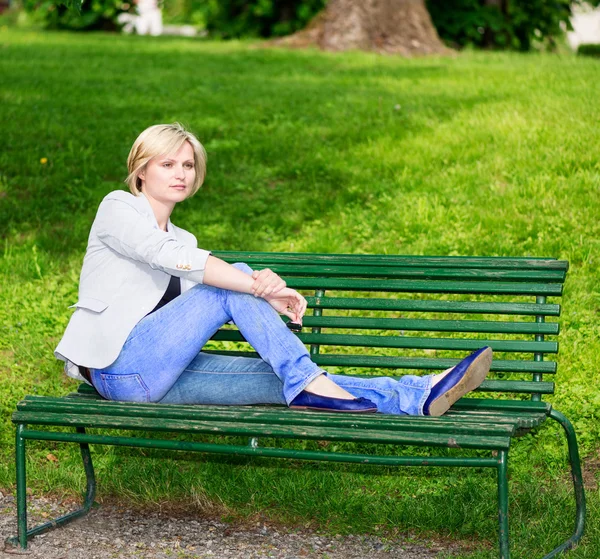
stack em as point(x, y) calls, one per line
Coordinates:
point(408, 342)
point(415, 305)
point(372, 435)
point(427, 286)
point(78, 403)
point(271, 415)
point(460, 412)
point(527, 406)
point(521, 413)
point(394, 260)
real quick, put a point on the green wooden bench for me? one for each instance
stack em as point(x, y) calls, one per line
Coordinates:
point(375, 314)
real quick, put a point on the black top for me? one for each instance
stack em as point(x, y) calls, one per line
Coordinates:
point(173, 290)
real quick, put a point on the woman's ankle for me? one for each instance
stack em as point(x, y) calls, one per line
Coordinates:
point(323, 386)
point(440, 376)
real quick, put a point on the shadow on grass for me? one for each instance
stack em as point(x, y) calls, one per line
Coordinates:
point(280, 127)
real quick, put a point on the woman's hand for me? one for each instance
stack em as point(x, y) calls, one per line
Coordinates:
point(289, 303)
point(266, 282)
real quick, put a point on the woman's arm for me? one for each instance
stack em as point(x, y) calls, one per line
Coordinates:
point(270, 286)
point(219, 273)
point(122, 227)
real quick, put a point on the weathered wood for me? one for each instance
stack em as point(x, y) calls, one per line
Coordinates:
point(486, 409)
point(394, 260)
point(512, 406)
point(436, 306)
point(427, 286)
point(463, 274)
point(425, 325)
point(271, 416)
point(255, 414)
point(409, 437)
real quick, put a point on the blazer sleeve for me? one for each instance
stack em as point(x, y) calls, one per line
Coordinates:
point(126, 230)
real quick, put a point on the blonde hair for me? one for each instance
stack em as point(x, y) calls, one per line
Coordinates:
point(163, 139)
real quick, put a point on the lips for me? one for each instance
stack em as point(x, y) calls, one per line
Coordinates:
point(179, 186)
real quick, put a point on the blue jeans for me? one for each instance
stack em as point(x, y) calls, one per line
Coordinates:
point(162, 361)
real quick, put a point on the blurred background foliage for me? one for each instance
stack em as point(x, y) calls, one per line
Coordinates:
point(500, 24)
point(244, 18)
point(492, 24)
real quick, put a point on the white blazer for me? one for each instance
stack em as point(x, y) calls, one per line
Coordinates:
point(126, 270)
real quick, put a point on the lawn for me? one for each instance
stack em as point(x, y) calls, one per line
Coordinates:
point(478, 154)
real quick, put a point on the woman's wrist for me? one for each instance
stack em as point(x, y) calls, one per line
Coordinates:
point(219, 273)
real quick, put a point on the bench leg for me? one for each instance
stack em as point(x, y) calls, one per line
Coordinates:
point(577, 484)
point(23, 533)
point(503, 503)
point(21, 488)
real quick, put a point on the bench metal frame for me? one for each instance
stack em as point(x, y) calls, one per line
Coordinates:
point(497, 459)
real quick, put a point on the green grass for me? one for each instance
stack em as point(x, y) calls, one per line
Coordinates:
point(481, 154)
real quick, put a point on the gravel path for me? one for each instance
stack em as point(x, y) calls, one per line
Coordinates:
point(109, 532)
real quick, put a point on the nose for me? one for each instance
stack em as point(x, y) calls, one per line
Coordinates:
point(179, 172)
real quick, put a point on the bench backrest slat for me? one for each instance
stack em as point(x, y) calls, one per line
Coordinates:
point(408, 342)
point(419, 305)
point(429, 364)
point(420, 325)
point(265, 258)
point(462, 274)
point(371, 314)
point(426, 286)
point(421, 363)
point(516, 386)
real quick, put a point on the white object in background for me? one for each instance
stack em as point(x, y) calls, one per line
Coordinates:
point(181, 30)
point(147, 22)
point(586, 26)
point(150, 18)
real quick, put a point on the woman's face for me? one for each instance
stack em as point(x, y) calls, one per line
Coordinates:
point(169, 178)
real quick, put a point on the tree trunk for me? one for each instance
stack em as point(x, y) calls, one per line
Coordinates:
point(387, 26)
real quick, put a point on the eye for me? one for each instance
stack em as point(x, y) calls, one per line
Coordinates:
point(189, 165)
point(167, 165)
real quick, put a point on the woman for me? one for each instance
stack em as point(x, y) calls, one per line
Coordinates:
point(149, 300)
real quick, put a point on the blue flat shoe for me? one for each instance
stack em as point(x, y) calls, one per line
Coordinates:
point(308, 401)
point(466, 376)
